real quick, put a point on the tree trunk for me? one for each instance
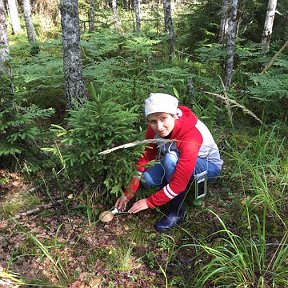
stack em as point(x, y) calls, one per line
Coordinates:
point(231, 41)
point(4, 47)
point(15, 21)
point(269, 20)
point(224, 21)
point(116, 18)
point(75, 91)
point(6, 87)
point(28, 22)
point(169, 28)
point(91, 16)
point(128, 4)
point(138, 15)
point(125, 4)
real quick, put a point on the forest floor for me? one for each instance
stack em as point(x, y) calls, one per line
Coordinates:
point(57, 246)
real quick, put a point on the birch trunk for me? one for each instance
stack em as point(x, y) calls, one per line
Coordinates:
point(4, 48)
point(116, 18)
point(224, 21)
point(6, 86)
point(231, 41)
point(128, 4)
point(91, 16)
point(75, 91)
point(15, 21)
point(169, 28)
point(268, 26)
point(28, 22)
point(137, 8)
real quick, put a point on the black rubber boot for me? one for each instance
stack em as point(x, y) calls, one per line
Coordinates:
point(175, 215)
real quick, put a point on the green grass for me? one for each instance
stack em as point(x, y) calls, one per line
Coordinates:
point(234, 261)
point(17, 203)
point(242, 242)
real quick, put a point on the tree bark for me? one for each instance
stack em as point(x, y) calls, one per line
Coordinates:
point(4, 43)
point(137, 9)
point(231, 41)
point(28, 22)
point(15, 21)
point(125, 5)
point(6, 86)
point(116, 18)
point(91, 16)
point(75, 91)
point(169, 28)
point(224, 21)
point(268, 26)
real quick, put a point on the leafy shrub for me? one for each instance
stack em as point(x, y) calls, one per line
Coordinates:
point(20, 130)
point(39, 79)
point(100, 124)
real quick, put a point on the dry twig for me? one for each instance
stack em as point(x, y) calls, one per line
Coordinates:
point(235, 104)
point(132, 144)
point(37, 209)
point(275, 57)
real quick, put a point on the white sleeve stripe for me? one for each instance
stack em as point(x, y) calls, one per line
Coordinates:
point(168, 192)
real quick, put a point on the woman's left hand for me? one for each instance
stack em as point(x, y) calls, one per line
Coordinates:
point(138, 206)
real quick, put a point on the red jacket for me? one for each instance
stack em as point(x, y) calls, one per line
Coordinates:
point(188, 144)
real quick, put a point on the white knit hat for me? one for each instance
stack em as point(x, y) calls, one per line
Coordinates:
point(161, 102)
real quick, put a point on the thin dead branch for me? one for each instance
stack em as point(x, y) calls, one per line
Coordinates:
point(275, 57)
point(235, 104)
point(136, 143)
point(38, 209)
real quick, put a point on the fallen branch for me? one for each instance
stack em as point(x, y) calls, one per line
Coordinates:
point(275, 57)
point(147, 141)
point(136, 143)
point(38, 209)
point(235, 103)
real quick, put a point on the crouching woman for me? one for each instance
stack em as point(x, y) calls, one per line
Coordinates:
point(184, 147)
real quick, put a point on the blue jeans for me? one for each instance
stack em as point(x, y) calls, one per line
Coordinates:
point(160, 174)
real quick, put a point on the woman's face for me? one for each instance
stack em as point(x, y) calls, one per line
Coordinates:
point(161, 123)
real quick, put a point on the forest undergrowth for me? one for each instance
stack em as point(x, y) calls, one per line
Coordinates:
point(54, 183)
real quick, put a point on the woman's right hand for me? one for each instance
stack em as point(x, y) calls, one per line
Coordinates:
point(121, 203)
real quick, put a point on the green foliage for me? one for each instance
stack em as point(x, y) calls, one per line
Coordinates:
point(39, 79)
point(99, 45)
point(265, 94)
point(270, 90)
point(199, 25)
point(129, 66)
point(260, 163)
point(20, 129)
point(238, 262)
point(99, 125)
point(124, 70)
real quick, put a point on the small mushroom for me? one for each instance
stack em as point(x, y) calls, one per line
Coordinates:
point(107, 216)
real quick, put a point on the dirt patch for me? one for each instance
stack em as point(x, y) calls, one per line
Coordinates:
point(10, 183)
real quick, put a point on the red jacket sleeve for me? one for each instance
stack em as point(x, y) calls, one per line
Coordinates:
point(188, 148)
point(150, 154)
